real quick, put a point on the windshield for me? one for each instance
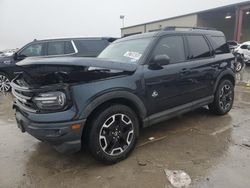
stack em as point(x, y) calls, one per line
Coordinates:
point(129, 51)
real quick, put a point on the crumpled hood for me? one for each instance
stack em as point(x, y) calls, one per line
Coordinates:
point(46, 71)
point(78, 61)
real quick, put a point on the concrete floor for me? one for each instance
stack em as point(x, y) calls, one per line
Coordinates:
point(213, 150)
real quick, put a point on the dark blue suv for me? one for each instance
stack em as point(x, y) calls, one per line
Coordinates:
point(135, 82)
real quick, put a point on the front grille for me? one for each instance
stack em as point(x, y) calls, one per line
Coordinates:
point(23, 95)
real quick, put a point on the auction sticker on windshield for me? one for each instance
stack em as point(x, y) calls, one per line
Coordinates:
point(133, 55)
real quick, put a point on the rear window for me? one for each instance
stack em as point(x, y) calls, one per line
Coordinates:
point(91, 48)
point(198, 47)
point(220, 45)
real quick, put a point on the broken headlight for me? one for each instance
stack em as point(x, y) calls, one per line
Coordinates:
point(50, 101)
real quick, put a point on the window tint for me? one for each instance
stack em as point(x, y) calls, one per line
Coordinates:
point(221, 46)
point(172, 46)
point(91, 48)
point(33, 50)
point(56, 48)
point(198, 47)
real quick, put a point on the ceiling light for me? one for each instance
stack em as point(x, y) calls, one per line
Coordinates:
point(248, 12)
point(228, 16)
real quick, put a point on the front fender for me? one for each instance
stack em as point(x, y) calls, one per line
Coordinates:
point(111, 95)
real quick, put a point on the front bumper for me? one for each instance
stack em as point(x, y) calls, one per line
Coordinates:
point(60, 135)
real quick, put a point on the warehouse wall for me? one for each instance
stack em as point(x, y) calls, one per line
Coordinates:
point(189, 20)
point(219, 22)
point(245, 35)
point(132, 30)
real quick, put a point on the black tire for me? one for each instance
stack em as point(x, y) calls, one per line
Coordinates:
point(4, 82)
point(223, 98)
point(104, 141)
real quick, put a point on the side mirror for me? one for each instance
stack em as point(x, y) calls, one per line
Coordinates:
point(19, 56)
point(160, 60)
point(248, 47)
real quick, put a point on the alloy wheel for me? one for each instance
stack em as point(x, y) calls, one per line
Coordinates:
point(4, 83)
point(116, 134)
point(226, 97)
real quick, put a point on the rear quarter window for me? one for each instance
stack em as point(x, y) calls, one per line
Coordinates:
point(220, 45)
point(90, 48)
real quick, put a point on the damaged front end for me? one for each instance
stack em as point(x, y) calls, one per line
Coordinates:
point(45, 99)
point(44, 84)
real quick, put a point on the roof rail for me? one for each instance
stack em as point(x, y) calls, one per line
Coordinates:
point(181, 28)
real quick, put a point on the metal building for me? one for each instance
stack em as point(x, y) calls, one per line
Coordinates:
point(233, 20)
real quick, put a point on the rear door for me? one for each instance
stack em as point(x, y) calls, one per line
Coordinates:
point(201, 66)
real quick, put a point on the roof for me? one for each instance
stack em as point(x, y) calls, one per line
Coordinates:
point(76, 38)
point(166, 32)
point(204, 11)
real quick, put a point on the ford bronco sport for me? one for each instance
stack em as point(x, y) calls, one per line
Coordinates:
point(135, 82)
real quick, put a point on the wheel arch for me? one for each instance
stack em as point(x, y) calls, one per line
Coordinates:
point(106, 100)
point(116, 97)
point(228, 74)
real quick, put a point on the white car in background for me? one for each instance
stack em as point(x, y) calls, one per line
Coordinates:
point(232, 45)
point(244, 49)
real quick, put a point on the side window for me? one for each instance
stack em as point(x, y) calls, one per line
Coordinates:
point(32, 50)
point(56, 48)
point(91, 48)
point(220, 45)
point(244, 47)
point(68, 47)
point(198, 47)
point(173, 46)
